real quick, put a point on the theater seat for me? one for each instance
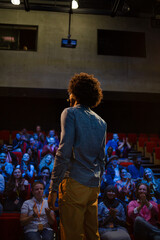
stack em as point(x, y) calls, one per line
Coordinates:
point(126, 164)
point(149, 147)
point(156, 155)
point(4, 136)
point(19, 156)
point(10, 226)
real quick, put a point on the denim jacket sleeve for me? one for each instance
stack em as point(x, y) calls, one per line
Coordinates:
point(64, 151)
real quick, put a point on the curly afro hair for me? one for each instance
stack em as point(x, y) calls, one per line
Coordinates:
point(86, 89)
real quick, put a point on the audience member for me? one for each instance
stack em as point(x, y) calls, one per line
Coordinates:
point(114, 169)
point(123, 148)
point(112, 143)
point(10, 158)
point(40, 134)
point(144, 214)
point(45, 176)
point(36, 217)
point(52, 134)
point(136, 170)
point(109, 154)
point(16, 192)
point(47, 161)
point(26, 168)
point(125, 187)
point(17, 144)
point(111, 217)
point(2, 184)
point(153, 183)
point(24, 135)
point(50, 148)
point(6, 168)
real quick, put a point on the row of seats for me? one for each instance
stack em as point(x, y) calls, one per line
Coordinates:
point(11, 228)
point(7, 136)
point(134, 137)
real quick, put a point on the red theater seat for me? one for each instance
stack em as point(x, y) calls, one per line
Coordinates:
point(4, 136)
point(141, 143)
point(132, 138)
point(149, 148)
point(19, 156)
point(126, 164)
point(156, 155)
point(10, 226)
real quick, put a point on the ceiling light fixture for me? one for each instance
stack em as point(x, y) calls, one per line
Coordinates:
point(15, 2)
point(74, 4)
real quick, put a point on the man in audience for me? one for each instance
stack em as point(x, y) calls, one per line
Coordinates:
point(6, 168)
point(36, 217)
point(113, 170)
point(112, 143)
point(136, 170)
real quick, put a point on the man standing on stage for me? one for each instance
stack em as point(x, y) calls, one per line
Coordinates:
point(79, 161)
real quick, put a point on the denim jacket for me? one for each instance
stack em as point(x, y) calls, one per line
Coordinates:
point(81, 151)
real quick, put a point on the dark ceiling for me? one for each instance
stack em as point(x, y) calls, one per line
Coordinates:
point(128, 8)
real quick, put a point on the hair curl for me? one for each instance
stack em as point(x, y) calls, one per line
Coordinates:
point(85, 89)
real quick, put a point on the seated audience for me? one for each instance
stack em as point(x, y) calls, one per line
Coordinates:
point(16, 192)
point(111, 217)
point(136, 170)
point(112, 143)
point(123, 148)
point(11, 157)
point(26, 168)
point(2, 184)
point(40, 134)
point(38, 143)
point(17, 145)
point(36, 217)
point(45, 176)
point(6, 168)
point(154, 184)
point(125, 187)
point(50, 148)
point(52, 134)
point(47, 161)
point(144, 214)
point(113, 170)
point(109, 154)
point(24, 135)
point(32, 150)
point(106, 180)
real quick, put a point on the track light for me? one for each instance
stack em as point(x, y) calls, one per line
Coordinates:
point(74, 4)
point(15, 2)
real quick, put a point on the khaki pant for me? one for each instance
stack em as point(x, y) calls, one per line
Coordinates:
point(78, 211)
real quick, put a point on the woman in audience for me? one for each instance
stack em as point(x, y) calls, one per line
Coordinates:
point(47, 161)
point(123, 148)
point(125, 186)
point(144, 214)
point(51, 147)
point(111, 217)
point(27, 168)
point(16, 192)
point(153, 183)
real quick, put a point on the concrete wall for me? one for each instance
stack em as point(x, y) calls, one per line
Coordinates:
point(52, 66)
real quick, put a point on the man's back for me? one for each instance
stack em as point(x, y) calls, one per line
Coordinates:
point(88, 148)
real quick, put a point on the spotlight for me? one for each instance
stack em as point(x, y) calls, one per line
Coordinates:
point(74, 4)
point(15, 2)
